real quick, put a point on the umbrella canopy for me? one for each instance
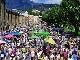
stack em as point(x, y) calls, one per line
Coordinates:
point(33, 37)
point(21, 32)
point(43, 33)
point(1, 42)
point(15, 33)
point(46, 38)
point(5, 40)
point(8, 36)
point(68, 32)
point(57, 29)
point(32, 32)
point(79, 33)
point(52, 37)
point(51, 41)
point(21, 28)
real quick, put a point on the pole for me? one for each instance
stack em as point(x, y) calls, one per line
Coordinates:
point(25, 20)
point(28, 19)
point(18, 19)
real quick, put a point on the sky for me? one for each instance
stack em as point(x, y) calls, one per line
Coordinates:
point(48, 1)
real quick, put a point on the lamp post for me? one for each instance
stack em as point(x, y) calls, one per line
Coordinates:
point(18, 19)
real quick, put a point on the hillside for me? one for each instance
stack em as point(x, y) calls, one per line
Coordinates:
point(25, 4)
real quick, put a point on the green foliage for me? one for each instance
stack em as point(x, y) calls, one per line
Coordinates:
point(54, 16)
point(67, 13)
point(33, 13)
point(72, 12)
point(45, 17)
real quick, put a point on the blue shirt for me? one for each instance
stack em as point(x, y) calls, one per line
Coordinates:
point(75, 57)
point(5, 50)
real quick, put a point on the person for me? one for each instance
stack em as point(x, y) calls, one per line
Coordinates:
point(32, 55)
point(35, 42)
point(36, 56)
point(5, 50)
point(41, 57)
point(65, 54)
point(58, 56)
point(75, 56)
point(61, 57)
point(79, 45)
point(51, 56)
point(2, 55)
point(18, 54)
point(13, 54)
point(23, 49)
point(44, 49)
point(46, 57)
point(70, 57)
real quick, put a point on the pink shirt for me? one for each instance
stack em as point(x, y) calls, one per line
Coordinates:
point(65, 54)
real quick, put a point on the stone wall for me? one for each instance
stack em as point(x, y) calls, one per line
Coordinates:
point(19, 20)
point(15, 20)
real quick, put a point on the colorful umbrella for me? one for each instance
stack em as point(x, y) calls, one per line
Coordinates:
point(15, 33)
point(79, 33)
point(52, 37)
point(51, 41)
point(8, 36)
point(43, 33)
point(1, 42)
point(33, 37)
point(5, 40)
point(21, 32)
point(57, 29)
point(68, 32)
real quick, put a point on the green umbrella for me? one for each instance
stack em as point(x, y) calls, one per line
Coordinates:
point(33, 37)
point(68, 29)
point(32, 32)
point(79, 32)
point(73, 30)
point(43, 33)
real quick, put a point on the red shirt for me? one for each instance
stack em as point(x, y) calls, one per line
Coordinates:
point(58, 42)
point(14, 52)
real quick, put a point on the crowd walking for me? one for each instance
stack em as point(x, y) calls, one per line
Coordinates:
point(23, 47)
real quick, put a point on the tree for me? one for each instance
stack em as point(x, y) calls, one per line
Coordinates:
point(68, 12)
point(45, 17)
point(54, 16)
point(72, 12)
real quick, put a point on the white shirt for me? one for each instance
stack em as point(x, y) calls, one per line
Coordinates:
point(52, 56)
point(10, 50)
point(32, 53)
point(58, 56)
point(46, 58)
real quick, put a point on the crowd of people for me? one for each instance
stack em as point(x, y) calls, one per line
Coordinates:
point(24, 48)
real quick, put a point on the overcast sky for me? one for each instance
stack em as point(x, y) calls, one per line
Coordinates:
point(48, 1)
